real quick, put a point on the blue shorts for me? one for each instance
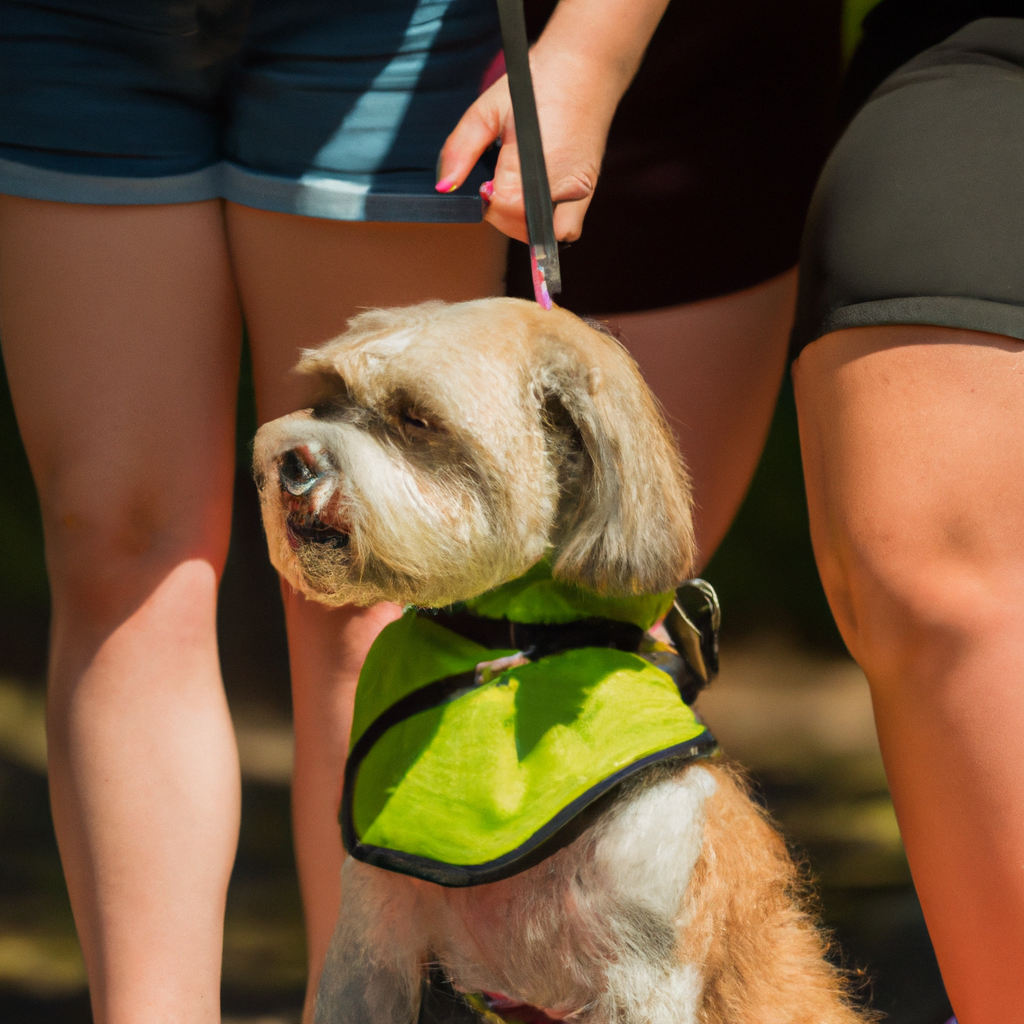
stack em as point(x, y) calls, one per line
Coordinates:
point(327, 108)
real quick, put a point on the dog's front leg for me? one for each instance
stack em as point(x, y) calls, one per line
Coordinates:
point(372, 971)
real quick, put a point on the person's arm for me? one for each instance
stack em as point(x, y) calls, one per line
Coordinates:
point(582, 65)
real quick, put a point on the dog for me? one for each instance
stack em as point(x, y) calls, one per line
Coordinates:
point(449, 450)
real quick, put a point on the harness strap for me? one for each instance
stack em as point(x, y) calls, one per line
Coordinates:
point(692, 624)
point(536, 639)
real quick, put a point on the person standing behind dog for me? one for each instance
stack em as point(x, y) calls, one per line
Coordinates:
point(910, 393)
point(167, 171)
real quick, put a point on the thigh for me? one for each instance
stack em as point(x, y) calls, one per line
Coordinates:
point(716, 367)
point(912, 449)
point(120, 334)
point(909, 399)
point(302, 278)
point(911, 439)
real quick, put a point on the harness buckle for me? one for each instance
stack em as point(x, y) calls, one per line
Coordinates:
point(692, 624)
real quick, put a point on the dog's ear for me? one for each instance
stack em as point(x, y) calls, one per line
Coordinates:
point(624, 524)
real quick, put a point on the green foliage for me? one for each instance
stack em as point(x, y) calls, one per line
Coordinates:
point(854, 13)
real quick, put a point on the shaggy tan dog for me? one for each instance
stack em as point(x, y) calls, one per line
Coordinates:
point(448, 448)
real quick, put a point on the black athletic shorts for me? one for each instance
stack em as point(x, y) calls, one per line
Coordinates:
point(711, 159)
point(919, 214)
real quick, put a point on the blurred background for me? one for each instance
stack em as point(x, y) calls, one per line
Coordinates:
point(789, 704)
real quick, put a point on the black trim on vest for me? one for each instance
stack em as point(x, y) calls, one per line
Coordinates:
point(561, 830)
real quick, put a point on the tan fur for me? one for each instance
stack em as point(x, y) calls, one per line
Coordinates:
point(448, 449)
point(544, 439)
point(752, 931)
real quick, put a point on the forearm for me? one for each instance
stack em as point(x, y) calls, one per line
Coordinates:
point(603, 40)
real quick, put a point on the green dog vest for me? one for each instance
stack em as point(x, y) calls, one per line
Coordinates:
point(462, 771)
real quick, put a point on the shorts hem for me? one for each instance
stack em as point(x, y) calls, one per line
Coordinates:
point(334, 197)
point(987, 316)
point(29, 182)
point(315, 194)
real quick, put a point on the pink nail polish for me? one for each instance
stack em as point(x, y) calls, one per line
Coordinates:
point(486, 191)
point(446, 185)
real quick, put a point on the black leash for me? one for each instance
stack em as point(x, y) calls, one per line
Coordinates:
point(547, 277)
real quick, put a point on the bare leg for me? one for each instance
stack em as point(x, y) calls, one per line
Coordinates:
point(912, 449)
point(300, 280)
point(121, 332)
point(716, 367)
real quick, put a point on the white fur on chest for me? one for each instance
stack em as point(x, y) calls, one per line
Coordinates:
point(592, 931)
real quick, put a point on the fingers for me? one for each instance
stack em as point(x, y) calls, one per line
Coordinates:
point(569, 219)
point(573, 160)
point(504, 196)
point(481, 125)
point(570, 192)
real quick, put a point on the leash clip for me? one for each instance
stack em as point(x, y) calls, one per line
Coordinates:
point(692, 624)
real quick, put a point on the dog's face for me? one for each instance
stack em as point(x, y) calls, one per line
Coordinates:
point(449, 447)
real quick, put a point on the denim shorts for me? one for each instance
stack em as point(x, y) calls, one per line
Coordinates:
point(326, 108)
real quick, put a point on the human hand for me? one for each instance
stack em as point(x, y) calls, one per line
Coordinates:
point(581, 66)
point(574, 134)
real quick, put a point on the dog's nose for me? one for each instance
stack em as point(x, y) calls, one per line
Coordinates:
point(296, 474)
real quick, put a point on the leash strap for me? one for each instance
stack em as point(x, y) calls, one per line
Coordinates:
point(547, 278)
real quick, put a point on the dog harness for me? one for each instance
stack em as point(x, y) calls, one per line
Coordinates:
point(482, 731)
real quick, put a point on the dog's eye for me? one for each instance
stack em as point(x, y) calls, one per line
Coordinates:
point(412, 420)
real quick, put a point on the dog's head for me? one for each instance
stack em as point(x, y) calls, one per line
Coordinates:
point(449, 447)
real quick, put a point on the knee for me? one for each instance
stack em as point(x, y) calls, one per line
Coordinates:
point(912, 606)
point(106, 551)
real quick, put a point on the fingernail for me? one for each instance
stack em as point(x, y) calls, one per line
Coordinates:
point(446, 185)
point(486, 191)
